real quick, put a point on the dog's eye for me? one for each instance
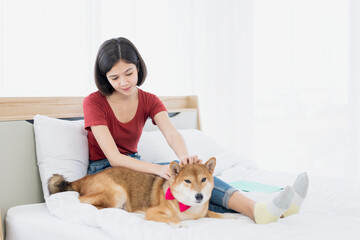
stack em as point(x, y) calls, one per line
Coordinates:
point(203, 180)
point(187, 181)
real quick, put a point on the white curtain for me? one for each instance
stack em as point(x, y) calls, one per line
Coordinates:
point(302, 91)
point(277, 80)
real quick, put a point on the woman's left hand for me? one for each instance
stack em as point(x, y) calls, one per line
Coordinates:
point(189, 160)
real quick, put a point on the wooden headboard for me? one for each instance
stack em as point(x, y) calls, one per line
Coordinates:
point(25, 108)
point(19, 176)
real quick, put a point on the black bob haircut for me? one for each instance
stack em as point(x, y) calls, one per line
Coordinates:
point(112, 51)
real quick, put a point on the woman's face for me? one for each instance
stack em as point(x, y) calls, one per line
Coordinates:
point(123, 77)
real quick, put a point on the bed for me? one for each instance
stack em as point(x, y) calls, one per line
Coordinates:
point(330, 211)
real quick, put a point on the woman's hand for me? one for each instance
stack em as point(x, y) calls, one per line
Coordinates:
point(163, 171)
point(189, 160)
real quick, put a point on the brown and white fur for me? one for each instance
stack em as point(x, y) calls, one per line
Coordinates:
point(133, 191)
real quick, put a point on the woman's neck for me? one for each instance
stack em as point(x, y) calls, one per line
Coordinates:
point(118, 97)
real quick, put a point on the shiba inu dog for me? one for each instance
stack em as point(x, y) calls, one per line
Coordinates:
point(185, 196)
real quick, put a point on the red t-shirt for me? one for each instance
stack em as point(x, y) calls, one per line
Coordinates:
point(97, 111)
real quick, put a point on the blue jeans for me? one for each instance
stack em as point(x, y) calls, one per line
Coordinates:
point(219, 197)
point(99, 165)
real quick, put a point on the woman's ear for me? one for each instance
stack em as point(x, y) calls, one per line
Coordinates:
point(174, 169)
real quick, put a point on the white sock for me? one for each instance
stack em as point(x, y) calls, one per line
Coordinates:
point(272, 210)
point(300, 188)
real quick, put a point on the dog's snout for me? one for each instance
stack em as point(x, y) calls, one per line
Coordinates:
point(199, 197)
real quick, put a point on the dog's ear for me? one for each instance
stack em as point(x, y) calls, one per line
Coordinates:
point(174, 169)
point(210, 165)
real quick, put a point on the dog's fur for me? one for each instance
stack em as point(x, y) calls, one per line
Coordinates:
point(119, 187)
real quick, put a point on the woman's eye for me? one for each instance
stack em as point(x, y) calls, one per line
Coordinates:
point(187, 181)
point(129, 74)
point(114, 78)
point(203, 180)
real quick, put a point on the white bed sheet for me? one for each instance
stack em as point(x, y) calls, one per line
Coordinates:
point(34, 222)
point(331, 211)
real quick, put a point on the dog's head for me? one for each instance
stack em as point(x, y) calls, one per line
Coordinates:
point(192, 184)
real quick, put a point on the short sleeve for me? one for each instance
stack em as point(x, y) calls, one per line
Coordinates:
point(155, 107)
point(94, 113)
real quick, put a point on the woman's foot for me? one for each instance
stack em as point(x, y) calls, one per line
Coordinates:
point(300, 188)
point(272, 210)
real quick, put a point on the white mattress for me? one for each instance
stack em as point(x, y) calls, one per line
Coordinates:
point(331, 211)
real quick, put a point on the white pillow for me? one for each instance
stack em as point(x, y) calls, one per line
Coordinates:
point(153, 147)
point(227, 160)
point(61, 147)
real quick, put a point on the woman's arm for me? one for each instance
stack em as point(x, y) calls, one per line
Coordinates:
point(174, 138)
point(109, 148)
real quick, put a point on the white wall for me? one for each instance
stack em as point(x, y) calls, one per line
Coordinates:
point(354, 86)
point(273, 77)
point(45, 48)
point(195, 47)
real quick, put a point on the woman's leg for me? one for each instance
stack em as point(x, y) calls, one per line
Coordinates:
point(225, 198)
point(242, 204)
point(98, 166)
point(229, 199)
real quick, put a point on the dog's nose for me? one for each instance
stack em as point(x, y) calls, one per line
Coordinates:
point(199, 197)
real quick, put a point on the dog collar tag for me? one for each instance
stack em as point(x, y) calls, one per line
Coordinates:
point(170, 196)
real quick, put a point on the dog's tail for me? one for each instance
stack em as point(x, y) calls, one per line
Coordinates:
point(57, 183)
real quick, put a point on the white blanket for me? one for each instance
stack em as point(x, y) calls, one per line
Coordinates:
point(331, 211)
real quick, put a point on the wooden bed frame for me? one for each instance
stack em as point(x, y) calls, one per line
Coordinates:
point(19, 177)
point(25, 108)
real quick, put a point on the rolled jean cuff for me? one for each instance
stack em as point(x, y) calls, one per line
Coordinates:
point(227, 196)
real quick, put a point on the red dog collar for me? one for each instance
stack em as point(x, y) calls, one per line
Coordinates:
point(170, 196)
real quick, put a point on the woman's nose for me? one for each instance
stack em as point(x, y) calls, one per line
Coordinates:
point(123, 81)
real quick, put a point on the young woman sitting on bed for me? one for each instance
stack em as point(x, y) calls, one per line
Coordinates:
point(115, 116)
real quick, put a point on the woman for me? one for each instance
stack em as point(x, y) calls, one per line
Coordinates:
point(115, 116)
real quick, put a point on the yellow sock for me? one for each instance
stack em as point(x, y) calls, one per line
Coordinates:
point(293, 209)
point(271, 211)
point(300, 188)
point(263, 215)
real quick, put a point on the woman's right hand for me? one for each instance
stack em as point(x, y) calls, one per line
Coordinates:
point(163, 171)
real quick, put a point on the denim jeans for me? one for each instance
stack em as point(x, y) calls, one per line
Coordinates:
point(219, 197)
point(99, 165)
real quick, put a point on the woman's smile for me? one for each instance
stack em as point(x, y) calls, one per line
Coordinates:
point(126, 89)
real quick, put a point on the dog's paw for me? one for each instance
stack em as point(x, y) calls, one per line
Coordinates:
point(177, 225)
